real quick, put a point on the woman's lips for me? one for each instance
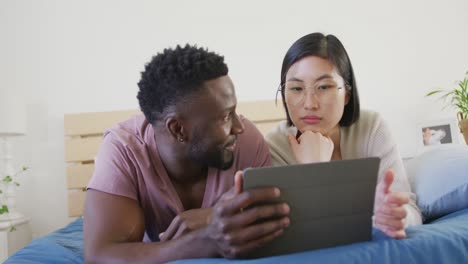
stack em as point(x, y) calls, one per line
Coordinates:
point(311, 119)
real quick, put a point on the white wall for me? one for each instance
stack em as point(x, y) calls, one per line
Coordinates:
point(80, 56)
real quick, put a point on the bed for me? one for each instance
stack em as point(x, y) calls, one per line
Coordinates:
point(444, 240)
point(442, 188)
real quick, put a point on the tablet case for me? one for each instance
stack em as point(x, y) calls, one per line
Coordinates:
point(331, 203)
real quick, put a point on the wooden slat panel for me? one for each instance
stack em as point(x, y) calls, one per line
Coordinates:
point(79, 175)
point(94, 123)
point(82, 149)
point(76, 201)
point(262, 110)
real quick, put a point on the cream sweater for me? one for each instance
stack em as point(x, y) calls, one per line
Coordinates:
point(368, 137)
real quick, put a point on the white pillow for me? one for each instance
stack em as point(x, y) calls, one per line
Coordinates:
point(439, 178)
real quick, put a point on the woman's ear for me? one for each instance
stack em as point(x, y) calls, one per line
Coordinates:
point(348, 94)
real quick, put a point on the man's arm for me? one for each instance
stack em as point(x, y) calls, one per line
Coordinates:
point(114, 228)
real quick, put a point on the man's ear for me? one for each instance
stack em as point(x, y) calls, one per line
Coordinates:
point(175, 128)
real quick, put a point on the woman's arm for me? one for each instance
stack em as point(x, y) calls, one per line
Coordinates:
point(382, 144)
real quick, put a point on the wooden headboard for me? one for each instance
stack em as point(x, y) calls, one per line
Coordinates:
point(83, 136)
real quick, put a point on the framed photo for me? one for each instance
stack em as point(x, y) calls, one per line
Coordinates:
point(438, 132)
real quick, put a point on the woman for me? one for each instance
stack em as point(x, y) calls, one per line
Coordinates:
point(324, 123)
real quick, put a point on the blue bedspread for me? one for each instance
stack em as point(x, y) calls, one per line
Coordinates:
point(444, 240)
point(62, 246)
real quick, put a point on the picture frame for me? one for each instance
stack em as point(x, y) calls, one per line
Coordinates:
point(438, 132)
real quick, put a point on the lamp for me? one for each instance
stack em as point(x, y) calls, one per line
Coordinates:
point(12, 124)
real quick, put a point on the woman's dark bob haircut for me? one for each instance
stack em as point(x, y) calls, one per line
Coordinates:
point(330, 48)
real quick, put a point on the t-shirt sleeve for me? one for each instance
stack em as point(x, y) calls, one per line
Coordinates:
point(113, 171)
point(254, 151)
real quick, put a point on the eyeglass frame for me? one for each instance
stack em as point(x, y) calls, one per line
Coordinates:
point(280, 88)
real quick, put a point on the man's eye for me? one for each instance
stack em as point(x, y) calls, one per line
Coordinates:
point(228, 117)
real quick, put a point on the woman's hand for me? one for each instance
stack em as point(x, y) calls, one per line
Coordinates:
point(311, 147)
point(389, 210)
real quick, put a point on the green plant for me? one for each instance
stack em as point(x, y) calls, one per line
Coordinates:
point(457, 97)
point(6, 182)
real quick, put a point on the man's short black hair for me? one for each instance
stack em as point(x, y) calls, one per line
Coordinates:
point(175, 74)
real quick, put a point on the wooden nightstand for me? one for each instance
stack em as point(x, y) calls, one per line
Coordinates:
point(10, 242)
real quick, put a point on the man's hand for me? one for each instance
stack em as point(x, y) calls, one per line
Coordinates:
point(187, 221)
point(311, 147)
point(238, 226)
point(196, 218)
point(390, 213)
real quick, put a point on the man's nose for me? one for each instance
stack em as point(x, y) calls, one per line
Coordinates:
point(237, 126)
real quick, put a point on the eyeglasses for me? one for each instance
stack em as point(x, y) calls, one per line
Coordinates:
point(295, 94)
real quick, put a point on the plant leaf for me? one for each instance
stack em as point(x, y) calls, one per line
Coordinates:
point(434, 92)
point(457, 97)
point(4, 209)
point(7, 178)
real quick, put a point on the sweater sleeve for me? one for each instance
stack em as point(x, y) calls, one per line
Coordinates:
point(381, 144)
point(280, 150)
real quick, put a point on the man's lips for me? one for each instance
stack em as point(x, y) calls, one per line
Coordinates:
point(311, 119)
point(231, 145)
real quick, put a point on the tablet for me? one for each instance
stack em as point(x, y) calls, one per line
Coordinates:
point(331, 203)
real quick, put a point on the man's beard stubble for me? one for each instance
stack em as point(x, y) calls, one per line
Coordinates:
point(211, 156)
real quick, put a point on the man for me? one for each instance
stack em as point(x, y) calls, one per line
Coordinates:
point(164, 186)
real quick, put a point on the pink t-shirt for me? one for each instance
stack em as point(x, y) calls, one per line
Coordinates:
point(128, 164)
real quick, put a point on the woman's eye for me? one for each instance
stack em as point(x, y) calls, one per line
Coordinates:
point(324, 87)
point(295, 89)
